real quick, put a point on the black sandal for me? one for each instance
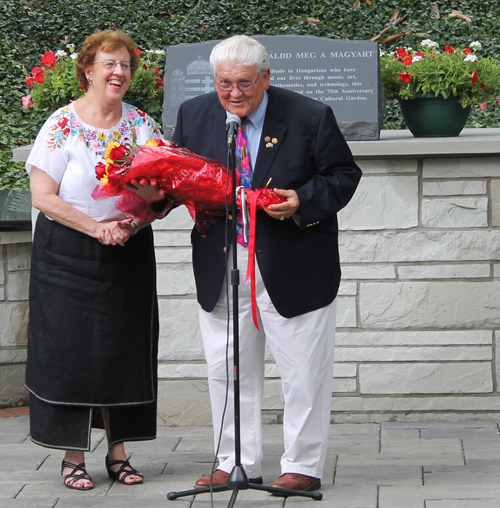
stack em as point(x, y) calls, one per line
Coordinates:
point(74, 476)
point(122, 473)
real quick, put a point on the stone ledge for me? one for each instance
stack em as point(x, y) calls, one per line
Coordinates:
point(9, 237)
point(401, 144)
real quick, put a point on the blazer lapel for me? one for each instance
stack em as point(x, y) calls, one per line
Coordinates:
point(273, 130)
point(218, 138)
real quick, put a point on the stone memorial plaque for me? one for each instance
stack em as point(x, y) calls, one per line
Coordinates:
point(343, 74)
point(15, 209)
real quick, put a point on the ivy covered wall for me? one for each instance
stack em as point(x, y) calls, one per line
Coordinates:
point(29, 28)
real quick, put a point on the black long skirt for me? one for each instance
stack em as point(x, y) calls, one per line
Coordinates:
point(92, 337)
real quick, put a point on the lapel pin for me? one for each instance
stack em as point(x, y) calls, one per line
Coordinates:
point(270, 142)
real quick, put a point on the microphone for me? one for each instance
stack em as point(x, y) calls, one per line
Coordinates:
point(233, 123)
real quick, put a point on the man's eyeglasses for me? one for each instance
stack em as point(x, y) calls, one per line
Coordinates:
point(109, 65)
point(244, 86)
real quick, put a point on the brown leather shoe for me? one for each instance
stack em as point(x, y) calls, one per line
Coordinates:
point(220, 478)
point(297, 481)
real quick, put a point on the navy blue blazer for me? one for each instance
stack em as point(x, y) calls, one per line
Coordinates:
point(299, 263)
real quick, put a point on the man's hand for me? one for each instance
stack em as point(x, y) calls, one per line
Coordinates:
point(286, 209)
point(147, 190)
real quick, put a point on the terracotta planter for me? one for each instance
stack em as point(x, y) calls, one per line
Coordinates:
point(430, 116)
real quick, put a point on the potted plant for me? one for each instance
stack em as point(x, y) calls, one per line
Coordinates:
point(54, 84)
point(436, 89)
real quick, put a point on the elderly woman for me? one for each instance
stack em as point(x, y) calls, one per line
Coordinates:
point(93, 331)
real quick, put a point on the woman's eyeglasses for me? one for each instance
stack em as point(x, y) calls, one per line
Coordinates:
point(109, 65)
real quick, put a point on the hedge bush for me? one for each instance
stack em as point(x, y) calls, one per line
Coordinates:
point(29, 28)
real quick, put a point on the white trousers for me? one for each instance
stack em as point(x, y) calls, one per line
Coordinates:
point(303, 350)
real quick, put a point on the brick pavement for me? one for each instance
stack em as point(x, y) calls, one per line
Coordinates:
point(388, 465)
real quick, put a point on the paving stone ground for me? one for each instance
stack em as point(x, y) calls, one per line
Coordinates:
point(388, 465)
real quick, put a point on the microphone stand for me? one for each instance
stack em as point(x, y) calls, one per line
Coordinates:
point(238, 479)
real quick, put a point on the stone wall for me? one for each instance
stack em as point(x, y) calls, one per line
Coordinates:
point(15, 258)
point(419, 305)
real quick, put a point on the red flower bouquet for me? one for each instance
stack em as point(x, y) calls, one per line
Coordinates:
point(201, 184)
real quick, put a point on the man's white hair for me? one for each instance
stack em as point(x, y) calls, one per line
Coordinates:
point(240, 50)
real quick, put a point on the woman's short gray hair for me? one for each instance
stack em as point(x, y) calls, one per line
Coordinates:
point(240, 50)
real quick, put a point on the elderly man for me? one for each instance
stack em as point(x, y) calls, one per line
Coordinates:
point(295, 146)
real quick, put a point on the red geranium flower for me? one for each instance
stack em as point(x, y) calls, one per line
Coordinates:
point(467, 51)
point(405, 77)
point(48, 58)
point(418, 53)
point(39, 77)
point(401, 52)
point(449, 49)
point(29, 81)
point(474, 78)
point(482, 86)
point(408, 60)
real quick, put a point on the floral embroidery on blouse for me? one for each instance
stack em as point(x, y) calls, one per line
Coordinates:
point(65, 123)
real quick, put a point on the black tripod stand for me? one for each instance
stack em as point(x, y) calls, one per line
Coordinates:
point(238, 479)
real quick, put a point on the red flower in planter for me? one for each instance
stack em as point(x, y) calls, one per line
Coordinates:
point(467, 51)
point(483, 105)
point(39, 78)
point(408, 60)
point(474, 77)
point(405, 77)
point(49, 59)
point(449, 49)
point(401, 52)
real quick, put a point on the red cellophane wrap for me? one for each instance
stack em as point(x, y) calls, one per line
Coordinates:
point(189, 179)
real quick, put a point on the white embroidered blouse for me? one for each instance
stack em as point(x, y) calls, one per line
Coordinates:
point(68, 150)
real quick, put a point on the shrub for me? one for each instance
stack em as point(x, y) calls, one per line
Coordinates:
point(30, 28)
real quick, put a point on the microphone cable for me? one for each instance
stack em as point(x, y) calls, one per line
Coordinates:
point(228, 330)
